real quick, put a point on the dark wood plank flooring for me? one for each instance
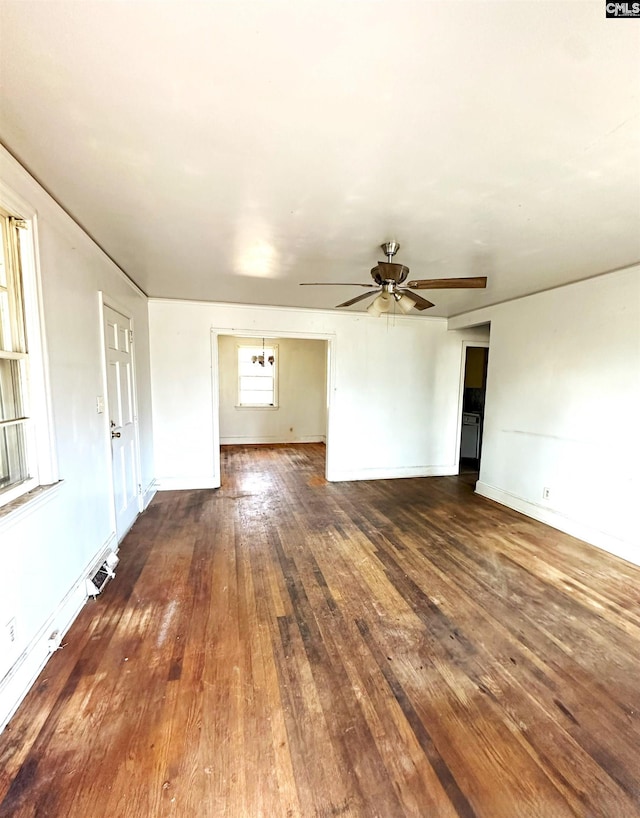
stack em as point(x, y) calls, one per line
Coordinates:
point(288, 647)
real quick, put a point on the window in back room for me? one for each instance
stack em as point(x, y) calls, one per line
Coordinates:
point(258, 375)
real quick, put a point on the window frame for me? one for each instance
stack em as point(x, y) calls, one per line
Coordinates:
point(38, 423)
point(258, 347)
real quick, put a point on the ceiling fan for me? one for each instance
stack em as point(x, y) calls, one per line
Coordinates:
point(388, 277)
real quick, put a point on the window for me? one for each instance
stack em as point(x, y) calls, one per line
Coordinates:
point(22, 382)
point(258, 376)
point(13, 361)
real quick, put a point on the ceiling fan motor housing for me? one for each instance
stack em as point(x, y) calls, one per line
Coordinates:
point(388, 271)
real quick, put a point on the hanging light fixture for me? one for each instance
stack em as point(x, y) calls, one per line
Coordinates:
point(384, 302)
point(405, 303)
point(260, 359)
point(380, 304)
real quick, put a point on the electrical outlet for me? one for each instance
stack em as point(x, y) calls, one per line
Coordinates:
point(546, 493)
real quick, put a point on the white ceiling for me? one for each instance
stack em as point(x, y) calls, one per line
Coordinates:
point(227, 151)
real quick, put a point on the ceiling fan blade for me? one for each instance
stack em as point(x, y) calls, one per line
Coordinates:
point(334, 284)
point(356, 299)
point(421, 303)
point(448, 283)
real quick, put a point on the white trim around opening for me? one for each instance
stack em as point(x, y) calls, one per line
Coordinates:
point(330, 338)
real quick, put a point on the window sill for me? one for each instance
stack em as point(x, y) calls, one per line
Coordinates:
point(262, 408)
point(27, 503)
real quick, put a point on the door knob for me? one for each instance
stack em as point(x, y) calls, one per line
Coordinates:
point(115, 434)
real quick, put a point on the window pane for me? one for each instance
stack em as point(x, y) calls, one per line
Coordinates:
point(5, 317)
point(5, 321)
point(265, 384)
point(11, 403)
point(13, 459)
point(12, 334)
point(245, 355)
point(261, 398)
point(3, 263)
point(255, 370)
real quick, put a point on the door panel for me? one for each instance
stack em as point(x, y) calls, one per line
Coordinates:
point(120, 395)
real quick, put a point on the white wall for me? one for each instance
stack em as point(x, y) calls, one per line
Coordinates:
point(395, 388)
point(563, 396)
point(300, 416)
point(46, 549)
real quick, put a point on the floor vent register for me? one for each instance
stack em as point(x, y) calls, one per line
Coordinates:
point(106, 571)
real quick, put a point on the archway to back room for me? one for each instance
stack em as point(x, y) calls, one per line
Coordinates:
point(272, 395)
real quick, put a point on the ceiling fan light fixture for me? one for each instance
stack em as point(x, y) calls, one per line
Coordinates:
point(389, 282)
point(405, 303)
point(379, 305)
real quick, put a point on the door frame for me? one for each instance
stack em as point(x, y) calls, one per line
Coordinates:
point(463, 364)
point(105, 300)
point(329, 337)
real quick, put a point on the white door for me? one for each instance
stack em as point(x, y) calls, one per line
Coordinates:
point(121, 400)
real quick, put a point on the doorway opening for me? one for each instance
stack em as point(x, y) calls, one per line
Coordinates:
point(473, 408)
point(272, 391)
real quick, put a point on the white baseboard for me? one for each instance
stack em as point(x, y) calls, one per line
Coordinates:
point(338, 476)
point(626, 550)
point(253, 441)
point(18, 680)
point(182, 483)
point(148, 494)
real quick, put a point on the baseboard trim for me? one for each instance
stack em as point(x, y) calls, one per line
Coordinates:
point(392, 474)
point(619, 548)
point(148, 494)
point(265, 440)
point(185, 483)
point(20, 677)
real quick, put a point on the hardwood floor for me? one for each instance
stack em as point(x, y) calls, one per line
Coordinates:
point(288, 647)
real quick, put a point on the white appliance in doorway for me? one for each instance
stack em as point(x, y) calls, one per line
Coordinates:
point(470, 440)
